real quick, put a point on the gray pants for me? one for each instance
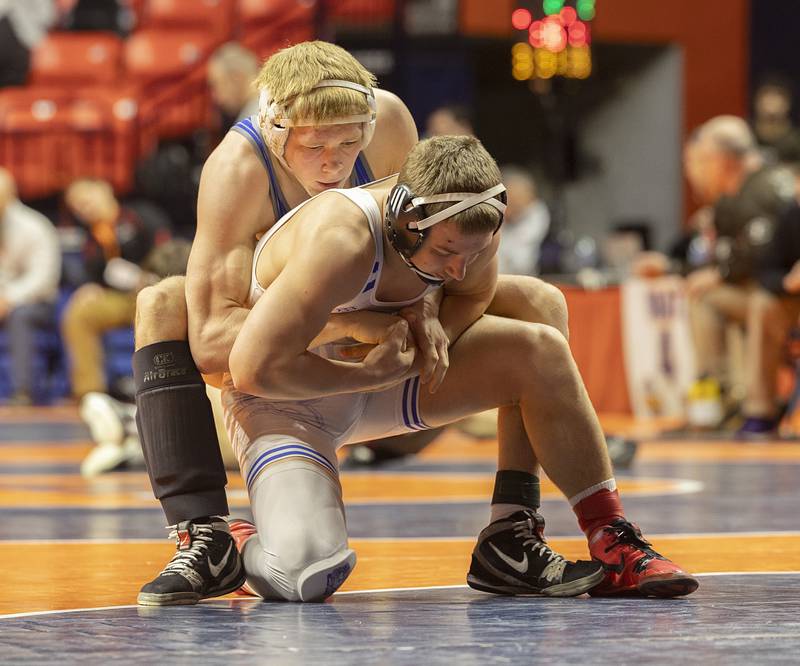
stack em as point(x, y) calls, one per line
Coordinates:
point(21, 325)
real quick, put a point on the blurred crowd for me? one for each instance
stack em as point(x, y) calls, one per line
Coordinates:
point(76, 272)
point(740, 255)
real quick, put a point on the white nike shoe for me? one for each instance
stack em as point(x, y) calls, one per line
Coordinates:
point(109, 456)
point(109, 420)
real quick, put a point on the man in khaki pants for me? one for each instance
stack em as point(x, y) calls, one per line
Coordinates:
point(725, 171)
point(114, 233)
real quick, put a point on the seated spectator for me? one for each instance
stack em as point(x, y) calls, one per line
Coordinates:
point(772, 119)
point(451, 119)
point(772, 315)
point(30, 265)
point(111, 422)
point(525, 224)
point(747, 199)
point(113, 232)
point(231, 72)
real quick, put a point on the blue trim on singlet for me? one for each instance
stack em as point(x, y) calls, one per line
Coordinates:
point(296, 450)
point(410, 403)
point(246, 127)
point(362, 171)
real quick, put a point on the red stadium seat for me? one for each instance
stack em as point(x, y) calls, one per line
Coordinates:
point(213, 17)
point(70, 58)
point(108, 135)
point(33, 138)
point(159, 55)
point(49, 137)
point(256, 12)
point(267, 26)
point(169, 68)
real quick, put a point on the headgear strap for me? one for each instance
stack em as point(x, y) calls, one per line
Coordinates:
point(275, 121)
point(465, 200)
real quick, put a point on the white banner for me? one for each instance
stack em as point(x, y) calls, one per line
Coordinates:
point(657, 345)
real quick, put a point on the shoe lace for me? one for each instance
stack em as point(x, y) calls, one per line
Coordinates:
point(186, 559)
point(626, 533)
point(528, 531)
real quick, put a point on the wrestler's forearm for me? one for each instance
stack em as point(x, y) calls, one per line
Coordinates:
point(216, 339)
point(303, 377)
point(457, 313)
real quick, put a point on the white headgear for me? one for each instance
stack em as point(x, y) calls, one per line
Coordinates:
point(275, 121)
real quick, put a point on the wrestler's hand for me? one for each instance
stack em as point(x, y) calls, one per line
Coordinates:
point(392, 358)
point(431, 341)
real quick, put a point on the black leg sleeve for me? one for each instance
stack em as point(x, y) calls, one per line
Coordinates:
point(176, 427)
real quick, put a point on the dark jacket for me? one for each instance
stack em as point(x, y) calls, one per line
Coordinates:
point(783, 251)
point(745, 223)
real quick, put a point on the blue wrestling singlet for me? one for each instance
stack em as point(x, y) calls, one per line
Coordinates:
point(248, 128)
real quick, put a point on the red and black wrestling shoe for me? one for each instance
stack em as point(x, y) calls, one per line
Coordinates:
point(632, 566)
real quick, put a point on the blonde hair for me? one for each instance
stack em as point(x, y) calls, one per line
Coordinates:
point(291, 74)
point(445, 164)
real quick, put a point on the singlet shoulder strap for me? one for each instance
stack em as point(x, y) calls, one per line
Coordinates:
point(248, 128)
point(362, 173)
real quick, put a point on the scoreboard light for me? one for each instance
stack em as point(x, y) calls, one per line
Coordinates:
point(557, 39)
point(521, 19)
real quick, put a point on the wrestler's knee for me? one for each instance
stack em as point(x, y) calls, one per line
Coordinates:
point(80, 309)
point(550, 302)
point(531, 299)
point(305, 570)
point(548, 352)
point(161, 312)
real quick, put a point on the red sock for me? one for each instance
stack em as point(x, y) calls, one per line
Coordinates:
point(600, 508)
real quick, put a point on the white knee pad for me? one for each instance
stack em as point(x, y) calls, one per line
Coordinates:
point(302, 535)
point(321, 579)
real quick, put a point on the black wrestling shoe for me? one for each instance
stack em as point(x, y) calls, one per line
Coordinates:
point(206, 565)
point(512, 557)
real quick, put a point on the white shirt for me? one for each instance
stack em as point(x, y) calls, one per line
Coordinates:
point(29, 18)
point(30, 256)
point(521, 240)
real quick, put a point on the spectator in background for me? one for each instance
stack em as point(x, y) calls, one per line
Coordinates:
point(231, 71)
point(114, 232)
point(525, 224)
point(772, 121)
point(30, 265)
point(23, 24)
point(105, 15)
point(451, 119)
point(747, 197)
point(772, 315)
point(111, 422)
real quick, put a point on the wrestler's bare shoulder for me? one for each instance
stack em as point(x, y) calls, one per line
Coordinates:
point(333, 217)
point(234, 162)
point(395, 134)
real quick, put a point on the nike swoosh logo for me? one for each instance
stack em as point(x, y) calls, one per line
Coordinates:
point(521, 566)
point(217, 569)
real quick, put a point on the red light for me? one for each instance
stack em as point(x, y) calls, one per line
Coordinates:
point(577, 34)
point(536, 37)
point(521, 19)
point(568, 16)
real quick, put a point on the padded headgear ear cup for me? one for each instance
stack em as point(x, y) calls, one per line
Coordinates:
point(398, 209)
